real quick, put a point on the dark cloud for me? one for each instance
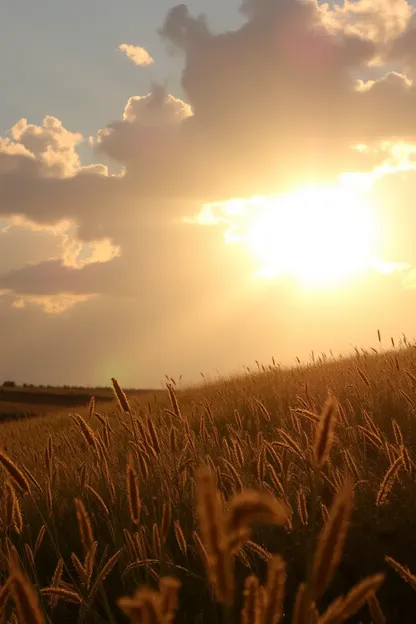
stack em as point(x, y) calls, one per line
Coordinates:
point(276, 92)
point(171, 265)
point(392, 99)
point(88, 198)
point(21, 245)
point(403, 49)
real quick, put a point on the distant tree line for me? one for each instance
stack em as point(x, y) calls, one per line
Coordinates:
point(12, 384)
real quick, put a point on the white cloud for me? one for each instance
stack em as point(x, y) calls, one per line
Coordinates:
point(52, 304)
point(138, 55)
point(378, 20)
point(51, 144)
point(77, 254)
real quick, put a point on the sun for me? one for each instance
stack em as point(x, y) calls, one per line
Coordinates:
point(317, 234)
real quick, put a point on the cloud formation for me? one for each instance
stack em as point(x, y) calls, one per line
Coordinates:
point(138, 55)
point(52, 145)
point(378, 20)
point(148, 131)
point(403, 48)
point(20, 245)
point(301, 92)
point(279, 90)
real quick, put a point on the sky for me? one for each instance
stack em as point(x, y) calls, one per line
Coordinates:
point(190, 188)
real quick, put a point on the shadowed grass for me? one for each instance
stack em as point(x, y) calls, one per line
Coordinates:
point(260, 431)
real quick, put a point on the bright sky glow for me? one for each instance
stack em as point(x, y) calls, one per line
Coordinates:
point(316, 235)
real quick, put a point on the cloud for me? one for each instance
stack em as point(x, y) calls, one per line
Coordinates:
point(77, 255)
point(51, 144)
point(160, 267)
point(25, 246)
point(377, 20)
point(290, 97)
point(138, 55)
point(53, 304)
point(279, 90)
point(148, 131)
point(20, 245)
point(403, 48)
point(272, 104)
point(393, 79)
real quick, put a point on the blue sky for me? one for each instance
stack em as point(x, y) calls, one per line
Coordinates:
point(61, 58)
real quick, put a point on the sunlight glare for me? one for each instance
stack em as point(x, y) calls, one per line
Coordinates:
point(315, 234)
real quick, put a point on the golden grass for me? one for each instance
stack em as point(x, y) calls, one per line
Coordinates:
point(331, 541)
point(235, 501)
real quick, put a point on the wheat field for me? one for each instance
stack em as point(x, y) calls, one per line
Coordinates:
point(276, 496)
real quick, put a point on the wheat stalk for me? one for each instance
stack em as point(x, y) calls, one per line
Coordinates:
point(405, 573)
point(24, 596)
point(254, 507)
point(85, 528)
point(61, 593)
point(105, 571)
point(252, 609)
point(133, 496)
point(169, 588)
point(15, 473)
point(388, 481)
point(331, 541)
point(275, 590)
point(359, 595)
point(376, 611)
point(325, 433)
point(101, 504)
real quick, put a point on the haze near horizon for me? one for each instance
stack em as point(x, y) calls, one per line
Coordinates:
point(190, 188)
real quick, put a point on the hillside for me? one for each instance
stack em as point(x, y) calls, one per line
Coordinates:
point(254, 431)
point(28, 401)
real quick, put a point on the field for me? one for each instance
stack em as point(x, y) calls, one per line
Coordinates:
point(296, 488)
point(28, 401)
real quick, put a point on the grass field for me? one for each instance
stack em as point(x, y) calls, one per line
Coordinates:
point(98, 505)
point(28, 401)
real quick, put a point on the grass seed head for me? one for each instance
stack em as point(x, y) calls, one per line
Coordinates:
point(403, 572)
point(15, 473)
point(359, 595)
point(24, 596)
point(325, 433)
point(331, 541)
point(120, 396)
point(133, 495)
point(255, 507)
point(85, 528)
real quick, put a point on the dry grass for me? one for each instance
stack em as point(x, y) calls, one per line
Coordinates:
point(280, 496)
